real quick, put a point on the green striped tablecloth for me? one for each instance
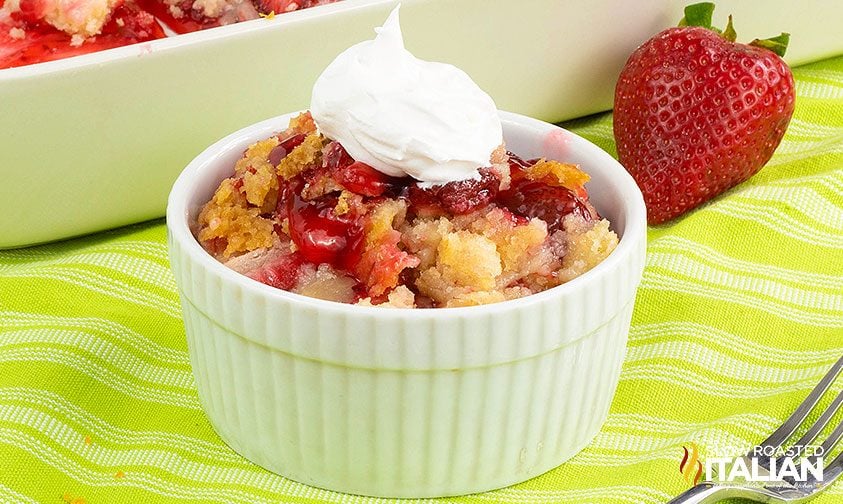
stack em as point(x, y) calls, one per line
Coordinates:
point(739, 314)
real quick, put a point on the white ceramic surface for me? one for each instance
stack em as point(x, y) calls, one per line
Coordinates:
point(409, 403)
point(96, 141)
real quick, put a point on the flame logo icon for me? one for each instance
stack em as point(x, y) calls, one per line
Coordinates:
point(691, 467)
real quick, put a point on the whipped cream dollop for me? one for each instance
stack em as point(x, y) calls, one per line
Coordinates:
point(405, 116)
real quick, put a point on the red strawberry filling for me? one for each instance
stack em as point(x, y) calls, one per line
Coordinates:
point(456, 198)
point(28, 35)
point(25, 43)
point(281, 150)
point(282, 273)
point(548, 203)
point(321, 235)
point(543, 199)
point(185, 16)
point(356, 176)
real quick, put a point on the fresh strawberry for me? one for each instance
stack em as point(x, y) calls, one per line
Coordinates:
point(697, 113)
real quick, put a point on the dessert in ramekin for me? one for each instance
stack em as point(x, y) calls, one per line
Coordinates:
point(298, 213)
point(407, 402)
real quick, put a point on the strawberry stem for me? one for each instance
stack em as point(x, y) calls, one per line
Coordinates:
point(698, 14)
point(776, 44)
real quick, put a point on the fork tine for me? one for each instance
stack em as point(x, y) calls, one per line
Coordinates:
point(797, 417)
point(822, 421)
point(830, 473)
point(815, 430)
point(833, 439)
point(830, 443)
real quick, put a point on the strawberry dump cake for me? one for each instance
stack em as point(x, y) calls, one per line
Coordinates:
point(34, 31)
point(396, 189)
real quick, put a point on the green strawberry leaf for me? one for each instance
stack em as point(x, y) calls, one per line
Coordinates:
point(698, 14)
point(776, 44)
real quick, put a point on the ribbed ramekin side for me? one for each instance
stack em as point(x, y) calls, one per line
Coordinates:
point(386, 431)
point(452, 432)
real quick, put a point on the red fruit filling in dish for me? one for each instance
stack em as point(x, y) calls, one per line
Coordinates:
point(184, 16)
point(300, 214)
point(35, 31)
point(27, 36)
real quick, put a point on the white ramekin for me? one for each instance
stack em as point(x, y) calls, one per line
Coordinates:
point(408, 403)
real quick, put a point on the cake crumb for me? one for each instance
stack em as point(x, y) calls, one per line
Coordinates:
point(500, 167)
point(210, 8)
point(423, 237)
point(303, 123)
point(343, 205)
point(260, 183)
point(17, 33)
point(176, 11)
point(325, 283)
point(588, 244)
point(564, 174)
point(475, 299)
point(301, 158)
point(465, 264)
point(400, 297)
point(469, 259)
point(229, 218)
point(383, 260)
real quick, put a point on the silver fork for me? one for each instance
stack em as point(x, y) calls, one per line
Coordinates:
point(787, 490)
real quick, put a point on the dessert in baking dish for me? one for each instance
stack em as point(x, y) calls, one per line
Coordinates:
point(34, 31)
point(84, 18)
point(396, 189)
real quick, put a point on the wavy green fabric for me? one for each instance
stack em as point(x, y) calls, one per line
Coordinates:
point(739, 314)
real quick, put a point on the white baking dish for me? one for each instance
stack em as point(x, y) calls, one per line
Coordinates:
point(96, 141)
